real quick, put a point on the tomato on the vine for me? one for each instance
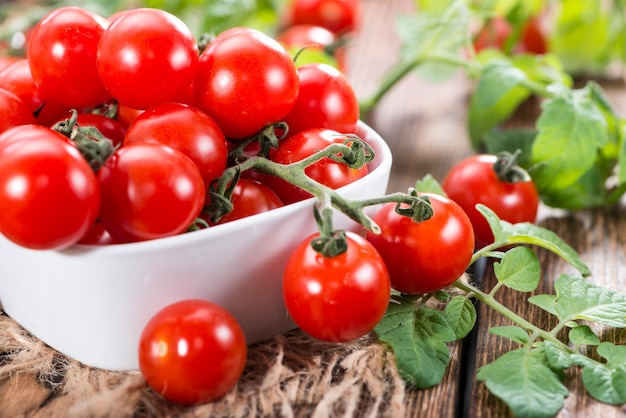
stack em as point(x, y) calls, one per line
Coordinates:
point(249, 197)
point(62, 57)
point(424, 256)
point(339, 298)
point(146, 57)
point(186, 129)
point(494, 34)
point(246, 80)
point(475, 180)
point(149, 191)
point(326, 100)
point(338, 16)
point(192, 351)
point(48, 192)
point(328, 172)
point(533, 38)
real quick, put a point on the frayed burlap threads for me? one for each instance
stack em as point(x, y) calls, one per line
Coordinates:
point(291, 375)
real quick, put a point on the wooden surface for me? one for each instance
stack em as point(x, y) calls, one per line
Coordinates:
point(424, 124)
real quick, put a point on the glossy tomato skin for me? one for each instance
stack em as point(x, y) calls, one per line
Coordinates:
point(473, 181)
point(300, 39)
point(50, 196)
point(326, 171)
point(18, 79)
point(62, 57)
point(246, 80)
point(249, 198)
point(192, 351)
point(338, 298)
point(326, 100)
point(424, 256)
point(186, 129)
point(338, 16)
point(108, 127)
point(146, 57)
point(14, 111)
point(149, 191)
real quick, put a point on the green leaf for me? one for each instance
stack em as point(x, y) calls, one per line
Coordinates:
point(461, 314)
point(519, 269)
point(418, 336)
point(507, 234)
point(577, 299)
point(583, 335)
point(513, 333)
point(499, 92)
point(545, 302)
point(512, 140)
point(556, 357)
point(571, 129)
point(428, 184)
point(525, 383)
point(606, 382)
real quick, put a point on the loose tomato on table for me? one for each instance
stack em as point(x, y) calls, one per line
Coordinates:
point(48, 192)
point(246, 80)
point(330, 173)
point(62, 57)
point(496, 183)
point(427, 255)
point(192, 351)
point(146, 57)
point(149, 191)
point(338, 298)
point(186, 129)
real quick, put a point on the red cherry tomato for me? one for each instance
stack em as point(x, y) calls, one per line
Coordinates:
point(474, 181)
point(126, 115)
point(299, 39)
point(326, 171)
point(424, 256)
point(246, 81)
point(326, 100)
point(147, 57)
point(149, 191)
point(14, 111)
point(494, 34)
point(62, 57)
point(249, 198)
point(192, 352)
point(338, 16)
point(18, 79)
point(186, 129)
point(48, 193)
point(533, 39)
point(338, 298)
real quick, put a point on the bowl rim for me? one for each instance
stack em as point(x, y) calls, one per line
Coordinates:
point(383, 165)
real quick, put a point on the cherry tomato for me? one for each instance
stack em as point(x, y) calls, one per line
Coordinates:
point(192, 351)
point(62, 57)
point(97, 235)
point(326, 100)
point(338, 298)
point(533, 39)
point(249, 198)
point(108, 127)
point(494, 34)
point(149, 191)
point(246, 81)
point(146, 57)
point(18, 79)
point(48, 193)
point(326, 171)
point(186, 129)
point(14, 111)
point(338, 16)
point(126, 115)
point(474, 180)
point(302, 39)
point(424, 256)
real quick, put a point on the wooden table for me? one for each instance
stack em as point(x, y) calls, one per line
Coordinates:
point(424, 124)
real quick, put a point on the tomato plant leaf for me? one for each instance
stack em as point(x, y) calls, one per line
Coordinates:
point(461, 314)
point(499, 92)
point(519, 269)
point(418, 336)
point(583, 335)
point(525, 383)
point(511, 140)
point(605, 382)
point(506, 234)
point(556, 357)
point(428, 184)
point(513, 333)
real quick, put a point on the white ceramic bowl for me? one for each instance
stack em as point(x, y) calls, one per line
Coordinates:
point(91, 303)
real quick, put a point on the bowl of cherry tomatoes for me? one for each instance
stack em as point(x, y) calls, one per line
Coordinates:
point(91, 302)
